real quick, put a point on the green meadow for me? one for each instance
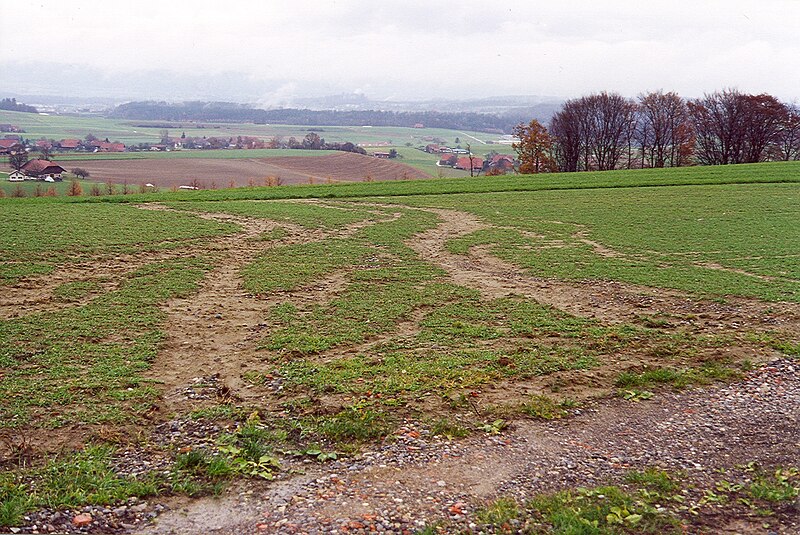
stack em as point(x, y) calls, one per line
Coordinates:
point(349, 331)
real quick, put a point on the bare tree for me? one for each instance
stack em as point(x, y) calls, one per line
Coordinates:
point(593, 132)
point(763, 117)
point(733, 127)
point(17, 159)
point(788, 138)
point(80, 172)
point(718, 118)
point(565, 127)
point(45, 150)
point(663, 128)
point(609, 118)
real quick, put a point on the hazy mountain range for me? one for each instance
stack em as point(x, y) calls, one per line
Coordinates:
point(74, 88)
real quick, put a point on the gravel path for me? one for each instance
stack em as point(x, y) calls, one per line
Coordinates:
point(416, 480)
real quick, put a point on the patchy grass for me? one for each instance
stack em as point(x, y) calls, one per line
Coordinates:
point(71, 480)
point(653, 479)
point(449, 429)
point(11, 272)
point(652, 501)
point(679, 378)
point(354, 424)
point(278, 233)
point(85, 364)
point(546, 408)
point(781, 485)
point(93, 228)
point(394, 339)
point(309, 261)
point(76, 290)
point(499, 513)
point(601, 510)
point(708, 240)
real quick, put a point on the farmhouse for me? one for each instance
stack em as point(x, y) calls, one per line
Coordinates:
point(447, 160)
point(504, 162)
point(5, 127)
point(464, 163)
point(7, 146)
point(16, 176)
point(383, 155)
point(69, 144)
point(111, 147)
point(42, 170)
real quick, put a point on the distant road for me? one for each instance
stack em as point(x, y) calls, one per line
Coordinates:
point(473, 137)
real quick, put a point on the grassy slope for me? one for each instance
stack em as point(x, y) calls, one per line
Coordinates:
point(54, 367)
point(715, 239)
point(775, 172)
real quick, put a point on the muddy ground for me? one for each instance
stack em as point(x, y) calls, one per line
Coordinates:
point(237, 172)
point(413, 479)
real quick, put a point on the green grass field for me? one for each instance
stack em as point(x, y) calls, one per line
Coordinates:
point(132, 131)
point(347, 330)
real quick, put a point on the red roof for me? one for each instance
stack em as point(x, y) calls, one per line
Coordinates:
point(112, 147)
point(42, 167)
point(69, 143)
point(463, 163)
point(8, 143)
point(497, 157)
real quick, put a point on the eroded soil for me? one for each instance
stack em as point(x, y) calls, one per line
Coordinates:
point(413, 479)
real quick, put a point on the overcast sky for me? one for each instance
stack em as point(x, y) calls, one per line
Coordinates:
point(418, 49)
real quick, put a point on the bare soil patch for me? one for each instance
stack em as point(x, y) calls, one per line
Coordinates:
point(214, 333)
point(221, 173)
point(35, 293)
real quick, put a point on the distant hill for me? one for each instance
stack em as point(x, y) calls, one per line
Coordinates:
point(232, 112)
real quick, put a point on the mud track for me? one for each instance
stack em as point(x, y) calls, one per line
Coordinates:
point(213, 333)
point(607, 301)
point(414, 479)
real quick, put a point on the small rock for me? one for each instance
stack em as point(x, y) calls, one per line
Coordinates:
point(81, 520)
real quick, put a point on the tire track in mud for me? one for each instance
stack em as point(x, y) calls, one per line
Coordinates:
point(607, 301)
point(215, 331)
point(36, 294)
point(708, 426)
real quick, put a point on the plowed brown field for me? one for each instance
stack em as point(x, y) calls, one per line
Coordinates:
point(343, 167)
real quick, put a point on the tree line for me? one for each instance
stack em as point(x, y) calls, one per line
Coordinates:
point(606, 131)
point(11, 104)
point(230, 112)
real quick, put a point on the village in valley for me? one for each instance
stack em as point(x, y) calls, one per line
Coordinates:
point(38, 159)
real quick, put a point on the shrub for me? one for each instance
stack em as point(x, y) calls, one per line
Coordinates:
point(75, 189)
